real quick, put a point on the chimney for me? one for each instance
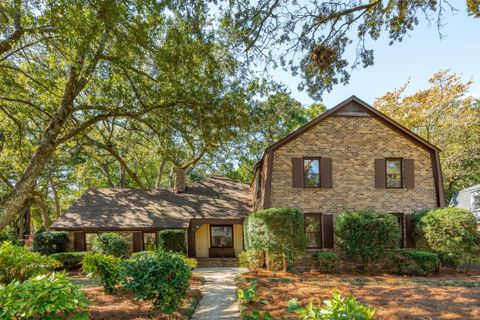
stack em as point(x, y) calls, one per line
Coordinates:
point(180, 180)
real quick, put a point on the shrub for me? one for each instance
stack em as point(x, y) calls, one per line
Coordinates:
point(70, 260)
point(256, 315)
point(251, 259)
point(110, 243)
point(450, 232)
point(49, 296)
point(276, 231)
point(247, 295)
point(365, 236)
point(172, 240)
point(103, 267)
point(336, 308)
point(327, 261)
point(18, 263)
point(420, 263)
point(161, 277)
point(49, 242)
point(190, 262)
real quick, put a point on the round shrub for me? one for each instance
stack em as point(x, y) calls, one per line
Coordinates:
point(49, 242)
point(327, 261)
point(172, 240)
point(418, 263)
point(277, 231)
point(111, 244)
point(18, 263)
point(70, 260)
point(161, 277)
point(450, 232)
point(103, 267)
point(49, 296)
point(365, 236)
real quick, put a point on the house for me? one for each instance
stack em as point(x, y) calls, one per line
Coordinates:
point(469, 199)
point(351, 157)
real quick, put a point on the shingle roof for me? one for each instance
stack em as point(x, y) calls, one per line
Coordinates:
point(132, 209)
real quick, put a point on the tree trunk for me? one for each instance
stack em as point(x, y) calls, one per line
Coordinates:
point(40, 202)
point(284, 258)
point(123, 177)
point(124, 167)
point(56, 199)
point(158, 183)
point(171, 178)
point(23, 223)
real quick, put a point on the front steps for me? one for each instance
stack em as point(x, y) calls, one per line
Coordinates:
point(217, 262)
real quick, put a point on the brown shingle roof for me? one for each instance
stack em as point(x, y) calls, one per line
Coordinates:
point(134, 209)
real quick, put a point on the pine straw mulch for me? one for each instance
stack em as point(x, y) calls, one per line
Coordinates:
point(121, 305)
point(449, 295)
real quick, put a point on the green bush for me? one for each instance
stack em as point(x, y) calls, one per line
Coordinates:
point(190, 262)
point(251, 259)
point(49, 296)
point(276, 231)
point(327, 261)
point(249, 294)
point(103, 267)
point(49, 242)
point(336, 308)
point(365, 236)
point(257, 315)
point(71, 260)
point(110, 243)
point(450, 232)
point(172, 240)
point(161, 277)
point(419, 263)
point(18, 263)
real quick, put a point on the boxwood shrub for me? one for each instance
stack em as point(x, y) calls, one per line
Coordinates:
point(49, 242)
point(172, 240)
point(71, 260)
point(419, 263)
point(106, 268)
point(110, 243)
point(327, 261)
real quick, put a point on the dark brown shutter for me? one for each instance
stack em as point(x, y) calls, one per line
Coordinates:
point(297, 172)
point(137, 241)
point(78, 241)
point(409, 230)
point(380, 173)
point(327, 231)
point(408, 171)
point(326, 172)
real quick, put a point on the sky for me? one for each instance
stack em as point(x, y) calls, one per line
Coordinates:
point(418, 57)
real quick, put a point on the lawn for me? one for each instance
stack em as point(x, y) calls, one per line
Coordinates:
point(445, 296)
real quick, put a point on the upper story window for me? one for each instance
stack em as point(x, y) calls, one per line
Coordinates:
point(394, 173)
point(311, 172)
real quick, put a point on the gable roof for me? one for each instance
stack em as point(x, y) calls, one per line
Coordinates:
point(136, 209)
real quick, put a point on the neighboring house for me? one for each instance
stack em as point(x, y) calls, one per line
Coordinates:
point(351, 157)
point(469, 199)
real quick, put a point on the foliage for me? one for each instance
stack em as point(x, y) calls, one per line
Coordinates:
point(49, 242)
point(337, 307)
point(256, 315)
point(18, 263)
point(110, 243)
point(276, 231)
point(71, 260)
point(419, 263)
point(366, 235)
point(247, 295)
point(190, 262)
point(172, 240)
point(450, 232)
point(49, 296)
point(251, 259)
point(161, 277)
point(327, 261)
point(447, 116)
point(104, 267)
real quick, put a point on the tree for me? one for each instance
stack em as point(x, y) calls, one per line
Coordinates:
point(446, 116)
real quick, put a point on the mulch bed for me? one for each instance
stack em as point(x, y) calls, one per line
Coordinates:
point(449, 295)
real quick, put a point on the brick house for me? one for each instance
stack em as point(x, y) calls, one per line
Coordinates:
point(351, 157)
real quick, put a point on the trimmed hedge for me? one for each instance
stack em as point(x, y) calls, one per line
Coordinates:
point(327, 261)
point(419, 263)
point(172, 240)
point(70, 260)
point(110, 243)
point(50, 242)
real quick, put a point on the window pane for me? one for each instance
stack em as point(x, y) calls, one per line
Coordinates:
point(222, 236)
point(149, 241)
point(312, 223)
point(313, 233)
point(394, 173)
point(311, 169)
point(89, 238)
point(313, 239)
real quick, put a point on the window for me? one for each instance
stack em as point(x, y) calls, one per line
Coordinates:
point(394, 173)
point(475, 204)
point(89, 238)
point(311, 172)
point(313, 230)
point(221, 236)
point(149, 241)
point(399, 217)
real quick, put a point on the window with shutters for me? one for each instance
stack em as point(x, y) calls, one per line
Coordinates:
point(394, 173)
point(311, 172)
point(313, 230)
point(400, 220)
point(221, 236)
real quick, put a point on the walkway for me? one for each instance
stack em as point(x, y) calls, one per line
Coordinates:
point(219, 292)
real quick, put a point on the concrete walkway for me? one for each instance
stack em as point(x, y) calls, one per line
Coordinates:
point(219, 292)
